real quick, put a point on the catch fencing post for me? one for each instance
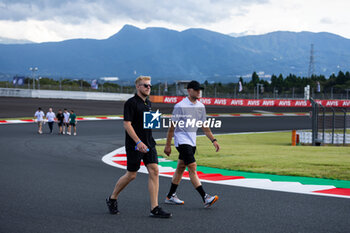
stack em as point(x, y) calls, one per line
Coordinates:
point(333, 124)
point(314, 121)
point(344, 133)
point(323, 121)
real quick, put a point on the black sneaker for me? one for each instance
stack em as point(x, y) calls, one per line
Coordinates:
point(112, 205)
point(157, 212)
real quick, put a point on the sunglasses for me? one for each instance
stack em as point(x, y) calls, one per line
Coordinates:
point(146, 85)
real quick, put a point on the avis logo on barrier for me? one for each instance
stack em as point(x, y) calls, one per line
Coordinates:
point(151, 120)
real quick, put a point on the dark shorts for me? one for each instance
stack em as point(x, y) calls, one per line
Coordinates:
point(72, 124)
point(186, 153)
point(134, 158)
point(60, 123)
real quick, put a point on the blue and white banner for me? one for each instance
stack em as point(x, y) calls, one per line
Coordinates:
point(18, 81)
point(240, 86)
point(94, 84)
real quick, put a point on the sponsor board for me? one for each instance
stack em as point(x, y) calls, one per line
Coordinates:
point(253, 102)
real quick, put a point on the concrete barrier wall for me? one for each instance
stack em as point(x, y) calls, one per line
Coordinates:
point(12, 92)
point(25, 93)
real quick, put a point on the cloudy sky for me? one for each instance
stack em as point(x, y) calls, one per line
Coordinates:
point(56, 20)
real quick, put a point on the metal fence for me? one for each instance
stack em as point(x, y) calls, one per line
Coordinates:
point(329, 125)
point(209, 91)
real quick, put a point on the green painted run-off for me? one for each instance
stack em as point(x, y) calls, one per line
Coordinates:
point(251, 175)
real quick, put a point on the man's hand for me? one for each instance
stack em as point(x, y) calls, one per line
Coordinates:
point(216, 145)
point(167, 150)
point(142, 147)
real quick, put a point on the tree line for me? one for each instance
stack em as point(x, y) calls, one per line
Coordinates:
point(338, 83)
point(335, 83)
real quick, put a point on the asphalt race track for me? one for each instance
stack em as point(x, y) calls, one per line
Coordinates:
point(58, 183)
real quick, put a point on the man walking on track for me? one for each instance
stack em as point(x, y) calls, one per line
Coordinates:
point(66, 115)
point(139, 145)
point(50, 116)
point(188, 110)
point(72, 123)
point(60, 118)
point(39, 118)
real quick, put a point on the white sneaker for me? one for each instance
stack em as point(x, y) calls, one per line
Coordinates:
point(75, 134)
point(68, 133)
point(209, 200)
point(174, 200)
point(63, 132)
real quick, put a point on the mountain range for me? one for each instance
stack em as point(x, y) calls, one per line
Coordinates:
point(172, 55)
point(4, 40)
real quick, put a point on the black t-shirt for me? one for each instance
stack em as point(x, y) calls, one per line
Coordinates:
point(60, 117)
point(133, 111)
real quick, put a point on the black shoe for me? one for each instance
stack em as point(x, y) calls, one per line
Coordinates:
point(157, 212)
point(112, 205)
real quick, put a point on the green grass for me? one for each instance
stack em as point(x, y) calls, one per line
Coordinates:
point(271, 153)
point(337, 130)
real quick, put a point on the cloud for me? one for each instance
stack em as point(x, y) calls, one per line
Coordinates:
point(326, 21)
point(185, 12)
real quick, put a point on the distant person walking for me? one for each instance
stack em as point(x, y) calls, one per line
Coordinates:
point(50, 116)
point(65, 121)
point(39, 118)
point(72, 123)
point(60, 119)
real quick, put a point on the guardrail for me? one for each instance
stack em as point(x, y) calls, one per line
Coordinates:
point(28, 93)
point(328, 138)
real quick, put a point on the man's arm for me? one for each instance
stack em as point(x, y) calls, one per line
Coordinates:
point(131, 132)
point(169, 137)
point(211, 137)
